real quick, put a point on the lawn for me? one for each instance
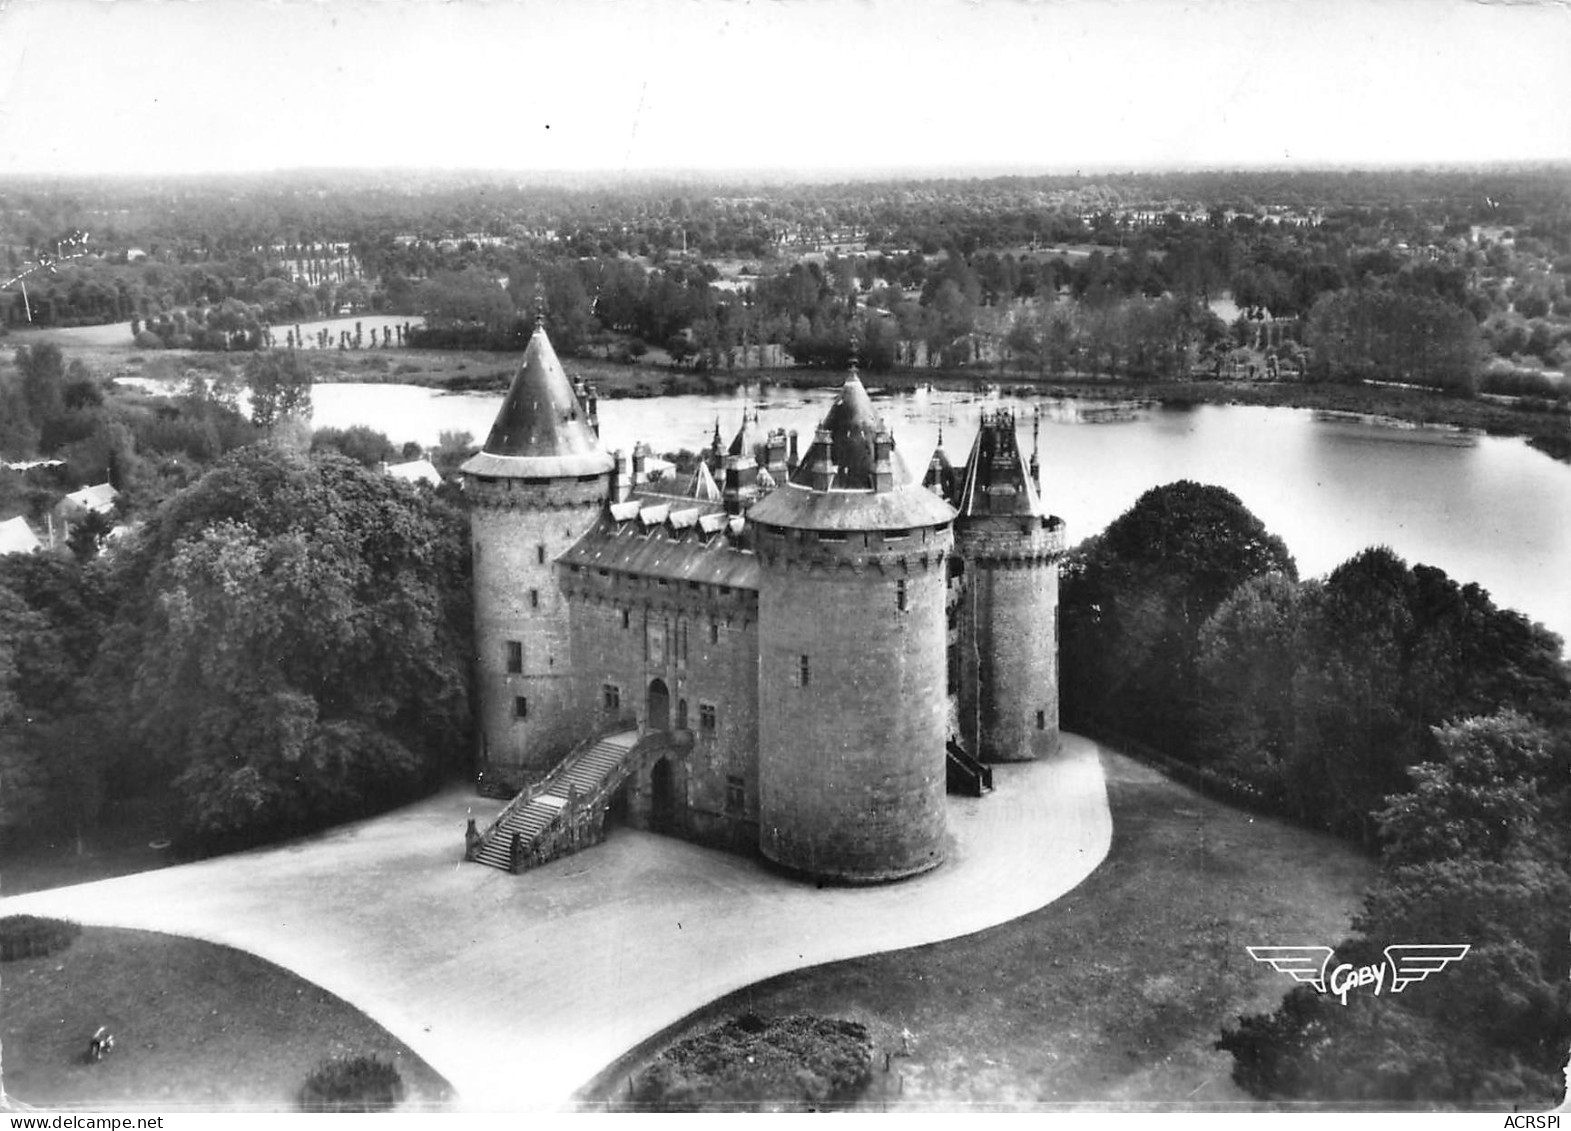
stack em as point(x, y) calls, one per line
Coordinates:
point(197, 1027)
point(1112, 995)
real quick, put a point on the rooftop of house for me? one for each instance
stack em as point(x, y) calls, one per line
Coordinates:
point(669, 538)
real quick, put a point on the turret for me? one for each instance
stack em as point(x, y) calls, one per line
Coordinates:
point(536, 486)
point(852, 652)
point(741, 467)
point(1011, 548)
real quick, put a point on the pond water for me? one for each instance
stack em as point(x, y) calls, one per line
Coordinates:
point(1484, 509)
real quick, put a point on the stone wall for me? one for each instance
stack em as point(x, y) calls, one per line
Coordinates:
point(524, 660)
point(701, 644)
point(851, 761)
point(1009, 637)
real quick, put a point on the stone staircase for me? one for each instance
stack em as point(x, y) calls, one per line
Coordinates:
point(545, 808)
point(964, 774)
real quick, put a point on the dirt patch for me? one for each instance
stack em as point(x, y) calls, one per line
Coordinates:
point(1112, 995)
point(196, 1026)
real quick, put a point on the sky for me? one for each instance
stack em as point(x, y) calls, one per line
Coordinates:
point(620, 86)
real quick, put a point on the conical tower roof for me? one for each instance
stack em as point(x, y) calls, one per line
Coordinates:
point(748, 438)
point(541, 431)
point(861, 493)
point(852, 423)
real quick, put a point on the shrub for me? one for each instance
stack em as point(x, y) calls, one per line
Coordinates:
point(762, 1064)
point(359, 1083)
point(28, 936)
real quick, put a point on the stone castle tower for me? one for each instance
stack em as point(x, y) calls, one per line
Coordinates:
point(536, 487)
point(852, 715)
point(799, 660)
point(1009, 548)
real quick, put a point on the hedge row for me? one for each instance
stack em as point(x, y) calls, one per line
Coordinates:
point(29, 936)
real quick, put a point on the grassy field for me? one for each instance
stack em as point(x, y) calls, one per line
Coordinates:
point(197, 1027)
point(1113, 995)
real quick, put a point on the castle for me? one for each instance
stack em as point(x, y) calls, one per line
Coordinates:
point(794, 657)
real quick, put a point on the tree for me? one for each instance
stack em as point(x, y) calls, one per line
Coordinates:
point(1476, 853)
point(300, 631)
point(1136, 597)
point(1249, 651)
point(280, 384)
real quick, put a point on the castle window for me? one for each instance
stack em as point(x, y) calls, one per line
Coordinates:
point(515, 656)
point(627, 619)
point(802, 671)
point(1041, 720)
point(540, 553)
point(706, 719)
point(520, 708)
point(681, 714)
point(735, 794)
point(534, 598)
point(900, 595)
point(897, 535)
point(831, 537)
point(681, 642)
point(611, 695)
point(714, 632)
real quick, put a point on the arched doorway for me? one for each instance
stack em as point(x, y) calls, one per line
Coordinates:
point(662, 797)
point(659, 706)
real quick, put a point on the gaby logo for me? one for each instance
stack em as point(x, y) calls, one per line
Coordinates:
point(1403, 965)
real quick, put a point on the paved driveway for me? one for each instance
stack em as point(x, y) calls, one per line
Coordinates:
point(519, 989)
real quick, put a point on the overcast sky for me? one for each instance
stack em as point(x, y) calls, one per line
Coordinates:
point(628, 85)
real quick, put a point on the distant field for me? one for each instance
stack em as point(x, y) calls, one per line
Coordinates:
point(119, 333)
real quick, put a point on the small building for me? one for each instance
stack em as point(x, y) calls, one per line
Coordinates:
point(419, 470)
point(97, 499)
point(16, 537)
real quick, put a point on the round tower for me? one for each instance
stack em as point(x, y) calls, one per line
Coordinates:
point(1009, 548)
point(534, 489)
point(851, 630)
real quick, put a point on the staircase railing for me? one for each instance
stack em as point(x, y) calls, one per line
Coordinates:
point(474, 842)
point(581, 822)
point(971, 775)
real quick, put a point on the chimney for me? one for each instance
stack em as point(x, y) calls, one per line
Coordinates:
point(883, 464)
point(640, 454)
point(618, 479)
point(792, 460)
point(821, 469)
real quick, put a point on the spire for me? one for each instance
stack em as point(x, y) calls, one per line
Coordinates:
point(1036, 450)
point(996, 478)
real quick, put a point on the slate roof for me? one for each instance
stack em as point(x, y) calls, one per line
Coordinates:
point(996, 478)
point(802, 508)
point(851, 425)
point(668, 538)
point(541, 431)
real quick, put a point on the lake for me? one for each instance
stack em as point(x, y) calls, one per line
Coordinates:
point(1484, 509)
